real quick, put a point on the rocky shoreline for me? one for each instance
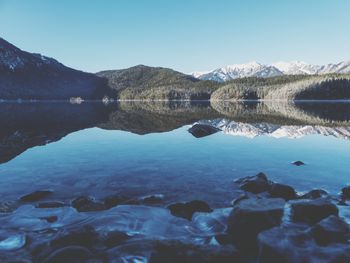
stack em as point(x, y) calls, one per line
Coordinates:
point(268, 222)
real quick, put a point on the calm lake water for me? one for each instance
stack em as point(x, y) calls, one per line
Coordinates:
point(139, 149)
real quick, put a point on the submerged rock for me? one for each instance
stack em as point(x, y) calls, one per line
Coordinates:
point(87, 204)
point(255, 184)
point(7, 206)
point(331, 230)
point(283, 191)
point(249, 217)
point(152, 199)
point(312, 211)
point(13, 242)
point(53, 204)
point(345, 192)
point(36, 196)
point(298, 163)
point(314, 194)
point(202, 130)
point(186, 210)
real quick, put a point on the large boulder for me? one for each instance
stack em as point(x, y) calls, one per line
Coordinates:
point(283, 191)
point(314, 194)
point(346, 192)
point(249, 217)
point(36, 196)
point(312, 211)
point(295, 244)
point(87, 204)
point(331, 230)
point(255, 184)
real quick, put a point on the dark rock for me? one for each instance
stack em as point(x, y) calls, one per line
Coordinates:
point(239, 199)
point(7, 206)
point(346, 192)
point(254, 184)
point(50, 219)
point(70, 254)
point(186, 210)
point(224, 239)
point(202, 130)
point(295, 245)
point(331, 230)
point(177, 252)
point(114, 200)
point(35, 196)
point(283, 191)
point(314, 194)
point(312, 211)
point(298, 163)
point(249, 217)
point(153, 199)
point(87, 204)
point(53, 204)
point(112, 239)
point(85, 236)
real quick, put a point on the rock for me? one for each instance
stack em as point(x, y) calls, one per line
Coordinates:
point(249, 217)
point(346, 192)
point(50, 219)
point(295, 245)
point(53, 204)
point(298, 163)
point(331, 230)
point(186, 210)
point(177, 252)
point(239, 199)
point(13, 242)
point(70, 254)
point(36, 196)
point(312, 211)
point(85, 236)
point(87, 204)
point(153, 199)
point(314, 194)
point(114, 200)
point(283, 191)
point(202, 130)
point(254, 184)
point(112, 239)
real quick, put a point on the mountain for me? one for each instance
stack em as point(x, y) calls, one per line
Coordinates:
point(25, 75)
point(254, 69)
point(143, 82)
point(251, 130)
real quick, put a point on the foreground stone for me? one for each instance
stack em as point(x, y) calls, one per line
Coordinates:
point(312, 211)
point(254, 184)
point(87, 204)
point(282, 191)
point(202, 130)
point(186, 210)
point(314, 194)
point(36, 196)
point(295, 245)
point(252, 216)
point(331, 230)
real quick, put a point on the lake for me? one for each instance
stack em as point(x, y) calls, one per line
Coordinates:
point(174, 151)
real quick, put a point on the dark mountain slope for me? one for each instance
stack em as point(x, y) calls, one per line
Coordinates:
point(26, 75)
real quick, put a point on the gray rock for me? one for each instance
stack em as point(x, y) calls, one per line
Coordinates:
point(249, 217)
point(254, 184)
point(282, 191)
point(87, 204)
point(312, 211)
point(186, 210)
point(36, 196)
point(314, 194)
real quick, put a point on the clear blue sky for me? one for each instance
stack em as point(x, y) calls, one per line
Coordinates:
point(186, 35)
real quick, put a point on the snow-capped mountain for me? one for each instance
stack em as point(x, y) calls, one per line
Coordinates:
point(251, 130)
point(254, 69)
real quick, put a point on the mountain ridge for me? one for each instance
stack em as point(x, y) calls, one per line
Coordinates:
point(255, 69)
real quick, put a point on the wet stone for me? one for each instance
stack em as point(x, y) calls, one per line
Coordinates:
point(314, 194)
point(249, 217)
point(53, 204)
point(87, 204)
point(186, 210)
point(254, 184)
point(346, 192)
point(7, 206)
point(298, 163)
point(202, 130)
point(331, 230)
point(312, 211)
point(283, 191)
point(36, 196)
